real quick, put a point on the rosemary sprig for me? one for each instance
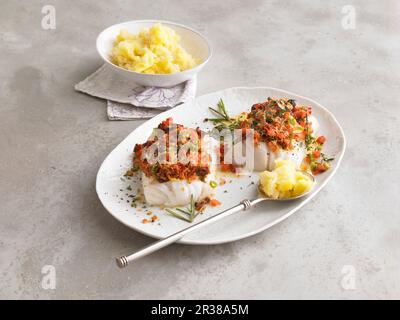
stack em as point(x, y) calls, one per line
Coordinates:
point(220, 112)
point(223, 120)
point(189, 214)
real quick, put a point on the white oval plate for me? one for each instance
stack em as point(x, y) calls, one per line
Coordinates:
point(113, 189)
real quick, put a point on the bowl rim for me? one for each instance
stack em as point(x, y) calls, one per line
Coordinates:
point(199, 66)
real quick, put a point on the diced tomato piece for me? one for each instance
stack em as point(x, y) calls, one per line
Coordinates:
point(167, 121)
point(214, 202)
point(300, 114)
point(321, 139)
point(300, 136)
point(320, 168)
point(316, 154)
point(228, 168)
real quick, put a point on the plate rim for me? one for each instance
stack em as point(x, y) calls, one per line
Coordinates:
point(264, 227)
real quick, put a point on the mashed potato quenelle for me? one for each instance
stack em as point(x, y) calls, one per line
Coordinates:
point(284, 181)
point(155, 50)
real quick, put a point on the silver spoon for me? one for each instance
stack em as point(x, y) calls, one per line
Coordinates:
point(243, 205)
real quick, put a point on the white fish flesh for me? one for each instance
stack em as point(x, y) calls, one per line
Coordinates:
point(264, 157)
point(175, 193)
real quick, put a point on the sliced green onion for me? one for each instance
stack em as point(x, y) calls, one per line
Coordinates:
point(213, 184)
point(293, 121)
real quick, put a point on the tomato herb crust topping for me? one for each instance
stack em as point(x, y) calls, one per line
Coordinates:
point(280, 123)
point(196, 166)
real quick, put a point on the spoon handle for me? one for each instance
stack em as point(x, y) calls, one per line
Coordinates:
point(125, 260)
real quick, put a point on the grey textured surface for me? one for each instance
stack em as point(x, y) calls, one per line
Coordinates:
point(53, 141)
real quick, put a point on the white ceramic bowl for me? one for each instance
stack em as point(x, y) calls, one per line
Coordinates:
point(196, 44)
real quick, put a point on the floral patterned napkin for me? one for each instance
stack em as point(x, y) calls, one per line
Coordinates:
point(129, 101)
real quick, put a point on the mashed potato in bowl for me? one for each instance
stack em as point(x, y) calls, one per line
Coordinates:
point(154, 51)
